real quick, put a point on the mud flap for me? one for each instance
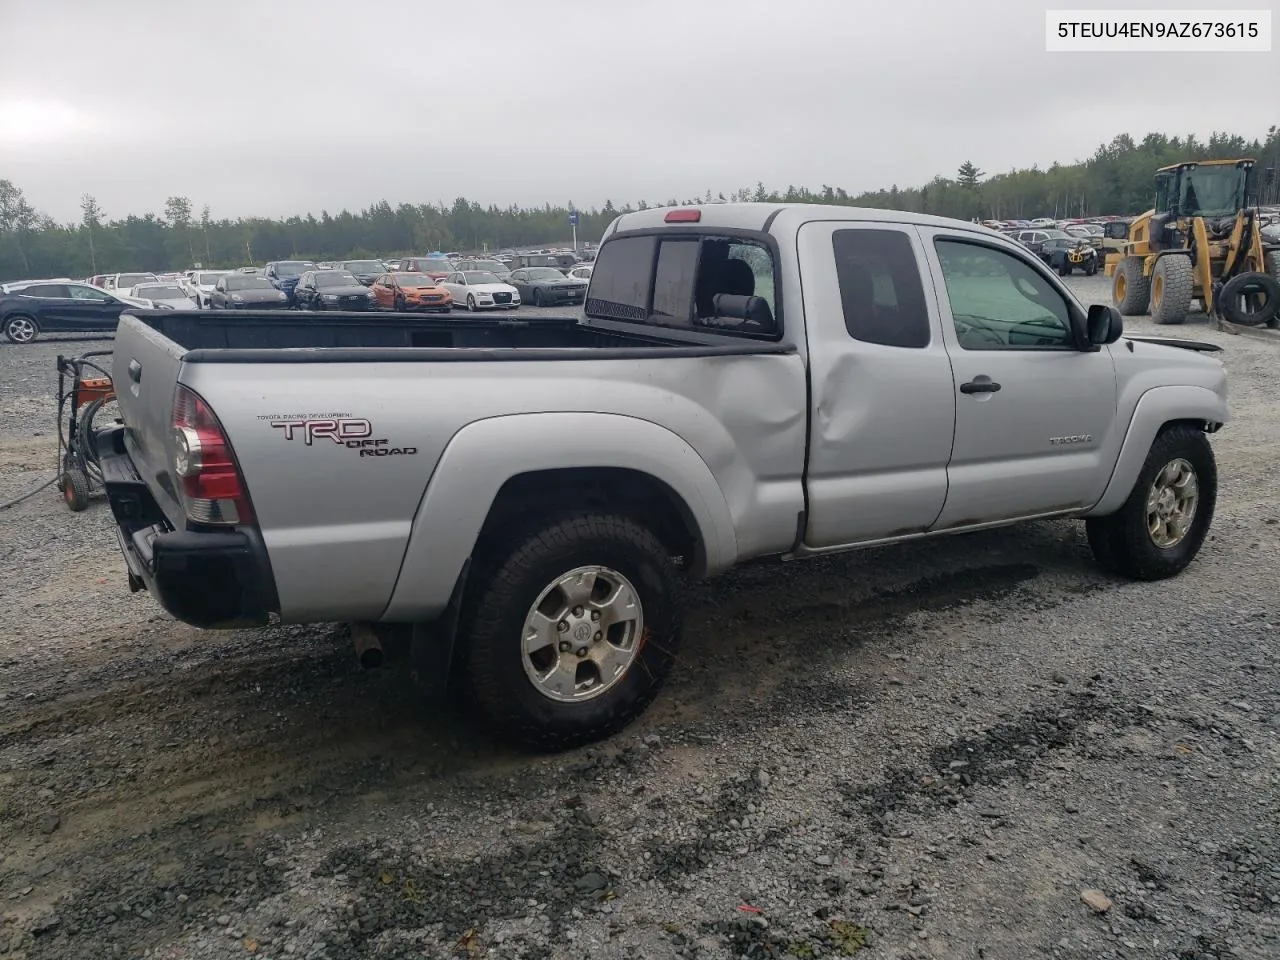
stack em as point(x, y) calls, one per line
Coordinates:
point(431, 649)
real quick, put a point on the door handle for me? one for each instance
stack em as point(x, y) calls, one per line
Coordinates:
point(135, 371)
point(975, 386)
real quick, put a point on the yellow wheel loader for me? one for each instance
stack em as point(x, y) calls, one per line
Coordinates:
point(1201, 241)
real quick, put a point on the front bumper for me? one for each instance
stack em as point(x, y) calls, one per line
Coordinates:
point(556, 296)
point(213, 579)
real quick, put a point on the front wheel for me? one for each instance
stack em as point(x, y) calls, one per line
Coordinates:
point(21, 329)
point(1162, 525)
point(537, 298)
point(571, 629)
point(471, 303)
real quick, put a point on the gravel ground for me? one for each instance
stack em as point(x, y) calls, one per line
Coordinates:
point(979, 747)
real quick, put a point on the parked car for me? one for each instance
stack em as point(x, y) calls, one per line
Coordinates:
point(284, 274)
point(166, 295)
point(580, 272)
point(434, 267)
point(331, 290)
point(547, 286)
point(122, 283)
point(496, 267)
point(366, 271)
point(28, 310)
point(246, 291)
point(411, 291)
point(200, 284)
point(480, 290)
point(533, 511)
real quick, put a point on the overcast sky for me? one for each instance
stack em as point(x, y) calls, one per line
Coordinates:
point(274, 107)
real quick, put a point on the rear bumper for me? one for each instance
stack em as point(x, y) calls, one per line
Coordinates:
point(211, 579)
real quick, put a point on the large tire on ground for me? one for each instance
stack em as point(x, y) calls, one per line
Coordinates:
point(1172, 283)
point(75, 489)
point(1250, 299)
point(1130, 290)
point(1273, 268)
point(21, 328)
point(1162, 525)
point(568, 630)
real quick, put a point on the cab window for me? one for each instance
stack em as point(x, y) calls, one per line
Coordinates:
point(880, 288)
point(670, 280)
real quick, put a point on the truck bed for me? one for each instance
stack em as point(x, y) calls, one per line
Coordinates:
point(248, 336)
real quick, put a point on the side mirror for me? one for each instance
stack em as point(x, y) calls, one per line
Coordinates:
point(1104, 324)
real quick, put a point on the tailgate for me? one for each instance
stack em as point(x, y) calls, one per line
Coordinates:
point(145, 370)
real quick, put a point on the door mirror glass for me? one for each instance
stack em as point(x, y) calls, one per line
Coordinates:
point(1105, 324)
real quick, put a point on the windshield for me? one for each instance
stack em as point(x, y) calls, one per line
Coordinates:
point(363, 266)
point(335, 278)
point(436, 266)
point(480, 276)
point(414, 280)
point(1212, 191)
point(133, 279)
point(545, 273)
point(165, 292)
point(293, 268)
point(249, 283)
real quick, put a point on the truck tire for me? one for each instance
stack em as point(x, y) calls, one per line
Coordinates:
point(1162, 525)
point(1130, 290)
point(1273, 267)
point(1262, 288)
point(1172, 282)
point(602, 592)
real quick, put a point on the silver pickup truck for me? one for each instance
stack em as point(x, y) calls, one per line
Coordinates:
point(745, 381)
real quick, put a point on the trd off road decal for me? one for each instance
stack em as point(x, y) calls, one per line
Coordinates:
point(353, 433)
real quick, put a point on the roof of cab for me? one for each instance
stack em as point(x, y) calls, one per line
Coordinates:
point(754, 216)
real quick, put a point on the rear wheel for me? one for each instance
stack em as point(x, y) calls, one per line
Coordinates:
point(21, 329)
point(1162, 525)
point(1172, 282)
point(1130, 290)
point(571, 629)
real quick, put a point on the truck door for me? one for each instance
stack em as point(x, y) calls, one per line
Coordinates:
point(1034, 413)
point(882, 401)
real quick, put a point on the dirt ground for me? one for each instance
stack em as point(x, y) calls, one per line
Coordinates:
point(977, 747)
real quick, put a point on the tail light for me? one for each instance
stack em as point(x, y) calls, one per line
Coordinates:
point(212, 490)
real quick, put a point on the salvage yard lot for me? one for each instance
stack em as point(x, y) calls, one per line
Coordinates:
point(931, 750)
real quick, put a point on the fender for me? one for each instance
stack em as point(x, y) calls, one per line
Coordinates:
point(1154, 409)
point(484, 455)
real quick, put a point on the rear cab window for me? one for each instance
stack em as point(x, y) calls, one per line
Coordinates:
point(671, 279)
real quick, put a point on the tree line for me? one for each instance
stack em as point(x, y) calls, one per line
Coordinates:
point(1116, 179)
